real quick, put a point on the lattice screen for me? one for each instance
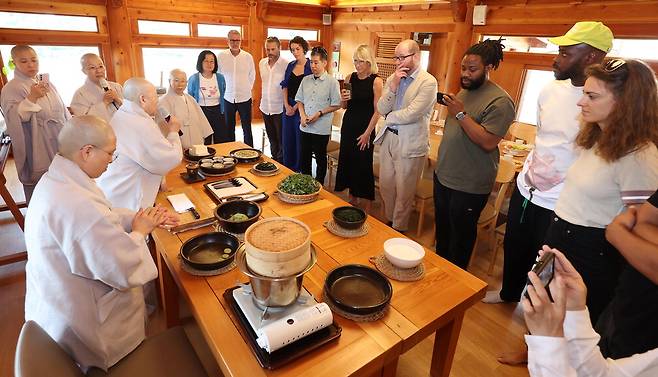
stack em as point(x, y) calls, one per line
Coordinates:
point(385, 43)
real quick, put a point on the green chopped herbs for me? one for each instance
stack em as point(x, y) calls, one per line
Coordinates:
point(266, 166)
point(349, 215)
point(237, 217)
point(299, 184)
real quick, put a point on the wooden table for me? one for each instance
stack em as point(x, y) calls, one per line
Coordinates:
point(435, 304)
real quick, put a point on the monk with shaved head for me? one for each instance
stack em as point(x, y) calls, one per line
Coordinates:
point(34, 113)
point(195, 126)
point(97, 96)
point(145, 154)
point(88, 260)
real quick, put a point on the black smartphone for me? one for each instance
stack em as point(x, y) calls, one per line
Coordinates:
point(439, 98)
point(347, 86)
point(544, 270)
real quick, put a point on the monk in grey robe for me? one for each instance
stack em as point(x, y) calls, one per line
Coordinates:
point(195, 125)
point(35, 114)
point(97, 96)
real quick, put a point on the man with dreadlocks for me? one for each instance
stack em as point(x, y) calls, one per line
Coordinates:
point(478, 118)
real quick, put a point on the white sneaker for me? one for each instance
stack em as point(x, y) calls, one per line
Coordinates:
point(492, 297)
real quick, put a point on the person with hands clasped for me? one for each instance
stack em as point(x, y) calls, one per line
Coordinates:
point(318, 96)
point(89, 260)
point(563, 342)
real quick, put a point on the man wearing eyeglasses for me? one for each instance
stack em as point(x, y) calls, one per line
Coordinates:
point(87, 268)
point(407, 101)
point(145, 155)
point(239, 70)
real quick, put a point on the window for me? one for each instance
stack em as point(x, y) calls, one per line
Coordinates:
point(15, 20)
point(61, 62)
point(534, 82)
point(288, 34)
point(424, 59)
point(218, 31)
point(163, 28)
point(159, 61)
point(627, 48)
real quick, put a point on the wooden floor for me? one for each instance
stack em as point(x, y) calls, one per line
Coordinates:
point(487, 330)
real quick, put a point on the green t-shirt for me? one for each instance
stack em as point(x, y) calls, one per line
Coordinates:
point(462, 164)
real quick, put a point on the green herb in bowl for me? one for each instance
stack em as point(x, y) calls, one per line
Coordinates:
point(299, 184)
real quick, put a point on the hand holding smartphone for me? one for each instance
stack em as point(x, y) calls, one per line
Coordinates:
point(44, 78)
point(439, 98)
point(544, 268)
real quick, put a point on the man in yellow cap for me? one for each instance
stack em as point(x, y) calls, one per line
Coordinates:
point(542, 178)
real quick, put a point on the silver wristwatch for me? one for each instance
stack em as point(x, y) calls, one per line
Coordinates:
point(460, 115)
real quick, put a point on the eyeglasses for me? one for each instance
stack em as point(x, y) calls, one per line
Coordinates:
point(235, 40)
point(401, 58)
point(614, 64)
point(113, 155)
point(360, 62)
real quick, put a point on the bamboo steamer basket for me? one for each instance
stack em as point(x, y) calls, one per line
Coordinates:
point(278, 247)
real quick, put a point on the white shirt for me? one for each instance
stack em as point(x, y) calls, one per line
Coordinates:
point(557, 126)
point(239, 73)
point(209, 91)
point(86, 268)
point(577, 354)
point(145, 157)
point(593, 188)
point(271, 100)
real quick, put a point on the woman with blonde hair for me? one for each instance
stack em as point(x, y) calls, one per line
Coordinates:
point(356, 134)
point(618, 157)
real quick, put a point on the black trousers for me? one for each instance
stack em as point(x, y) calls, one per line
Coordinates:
point(456, 214)
point(597, 261)
point(273, 129)
point(314, 144)
point(524, 236)
point(244, 109)
point(216, 120)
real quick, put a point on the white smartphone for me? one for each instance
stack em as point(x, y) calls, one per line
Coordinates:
point(43, 78)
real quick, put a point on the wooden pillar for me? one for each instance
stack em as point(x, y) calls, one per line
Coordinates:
point(122, 57)
point(459, 41)
point(256, 35)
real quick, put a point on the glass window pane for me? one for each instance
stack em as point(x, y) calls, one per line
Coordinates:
point(424, 59)
point(15, 20)
point(537, 45)
point(163, 27)
point(62, 63)
point(287, 34)
point(287, 55)
point(159, 61)
point(535, 80)
point(218, 31)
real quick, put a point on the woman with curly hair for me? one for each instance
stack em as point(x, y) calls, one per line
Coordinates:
point(618, 157)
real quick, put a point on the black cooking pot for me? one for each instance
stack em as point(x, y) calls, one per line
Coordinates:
point(341, 215)
point(206, 251)
point(225, 210)
point(358, 289)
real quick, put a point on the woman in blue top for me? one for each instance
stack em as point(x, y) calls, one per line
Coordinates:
point(290, 132)
point(208, 87)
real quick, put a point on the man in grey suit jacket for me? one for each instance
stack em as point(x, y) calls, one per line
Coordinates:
point(406, 103)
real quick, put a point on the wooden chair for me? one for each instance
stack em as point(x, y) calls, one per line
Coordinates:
point(166, 354)
point(333, 147)
point(526, 132)
point(424, 195)
point(10, 205)
point(489, 215)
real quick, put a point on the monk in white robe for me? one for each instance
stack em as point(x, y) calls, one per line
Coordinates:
point(145, 156)
point(87, 260)
point(195, 125)
point(34, 113)
point(97, 96)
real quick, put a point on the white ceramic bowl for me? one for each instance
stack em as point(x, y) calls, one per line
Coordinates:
point(403, 252)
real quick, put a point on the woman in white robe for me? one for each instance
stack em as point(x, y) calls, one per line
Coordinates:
point(97, 96)
point(145, 156)
point(195, 125)
point(88, 261)
point(34, 113)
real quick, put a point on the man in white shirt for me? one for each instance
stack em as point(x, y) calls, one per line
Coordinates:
point(97, 96)
point(88, 260)
point(542, 178)
point(145, 156)
point(195, 125)
point(272, 70)
point(238, 69)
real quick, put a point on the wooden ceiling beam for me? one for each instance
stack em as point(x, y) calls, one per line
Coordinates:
point(459, 8)
point(379, 3)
